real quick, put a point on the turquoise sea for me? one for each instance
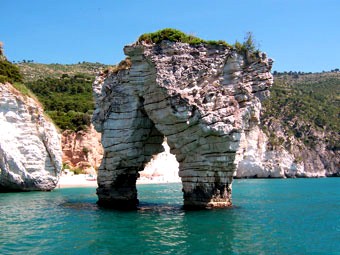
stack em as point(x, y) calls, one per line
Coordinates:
point(270, 216)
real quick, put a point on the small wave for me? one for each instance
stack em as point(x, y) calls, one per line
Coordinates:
point(158, 207)
point(80, 205)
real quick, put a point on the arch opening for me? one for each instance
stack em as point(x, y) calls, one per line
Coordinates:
point(162, 168)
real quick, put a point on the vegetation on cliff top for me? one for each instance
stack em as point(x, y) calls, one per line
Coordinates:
point(247, 48)
point(175, 35)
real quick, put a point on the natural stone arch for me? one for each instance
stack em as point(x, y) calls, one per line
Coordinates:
point(201, 98)
point(129, 139)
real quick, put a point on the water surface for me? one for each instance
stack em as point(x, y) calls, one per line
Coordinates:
point(284, 216)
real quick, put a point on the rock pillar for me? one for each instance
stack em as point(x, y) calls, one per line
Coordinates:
point(201, 98)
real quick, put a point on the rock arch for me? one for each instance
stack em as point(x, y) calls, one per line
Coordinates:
point(201, 98)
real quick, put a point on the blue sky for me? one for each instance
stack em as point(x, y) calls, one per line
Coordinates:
point(300, 35)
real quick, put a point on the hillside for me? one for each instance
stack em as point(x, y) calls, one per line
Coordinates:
point(64, 90)
point(35, 71)
point(305, 105)
point(302, 117)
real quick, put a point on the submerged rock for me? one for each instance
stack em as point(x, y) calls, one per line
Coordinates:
point(30, 149)
point(202, 98)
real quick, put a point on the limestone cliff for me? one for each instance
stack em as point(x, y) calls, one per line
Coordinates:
point(260, 162)
point(299, 135)
point(82, 149)
point(292, 158)
point(202, 98)
point(30, 149)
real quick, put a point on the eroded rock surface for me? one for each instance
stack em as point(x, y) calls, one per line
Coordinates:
point(201, 98)
point(82, 149)
point(30, 149)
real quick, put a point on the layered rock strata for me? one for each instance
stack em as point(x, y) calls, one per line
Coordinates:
point(30, 149)
point(202, 98)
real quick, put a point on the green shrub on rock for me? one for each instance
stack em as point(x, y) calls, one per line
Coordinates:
point(174, 35)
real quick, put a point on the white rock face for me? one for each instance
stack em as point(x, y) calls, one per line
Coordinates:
point(260, 162)
point(30, 148)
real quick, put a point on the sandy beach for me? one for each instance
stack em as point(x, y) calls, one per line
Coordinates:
point(80, 180)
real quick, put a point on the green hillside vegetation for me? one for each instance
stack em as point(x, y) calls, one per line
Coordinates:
point(304, 104)
point(65, 91)
point(34, 71)
point(9, 72)
point(67, 100)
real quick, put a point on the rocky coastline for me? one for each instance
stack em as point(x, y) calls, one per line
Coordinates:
point(257, 156)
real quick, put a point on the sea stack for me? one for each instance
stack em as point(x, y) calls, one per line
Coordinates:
point(201, 96)
point(30, 148)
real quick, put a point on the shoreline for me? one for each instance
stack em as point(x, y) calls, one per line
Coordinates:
point(74, 181)
point(79, 180)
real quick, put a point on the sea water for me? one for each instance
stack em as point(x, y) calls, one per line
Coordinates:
point(270, 216)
